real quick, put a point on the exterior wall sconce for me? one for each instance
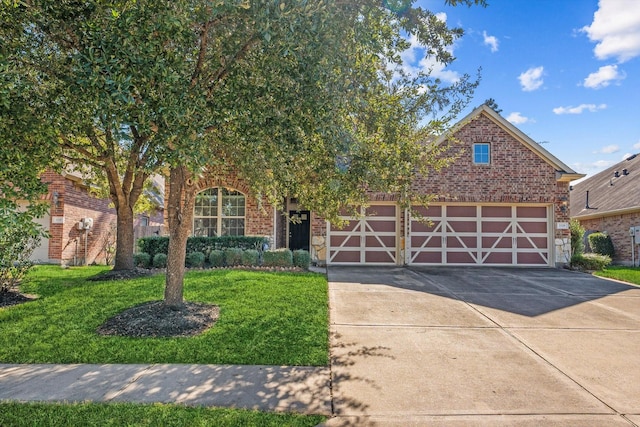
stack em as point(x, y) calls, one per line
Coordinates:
point(564, 202)
point(56, 199)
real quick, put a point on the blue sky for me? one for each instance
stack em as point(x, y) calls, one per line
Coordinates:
point(565, 72)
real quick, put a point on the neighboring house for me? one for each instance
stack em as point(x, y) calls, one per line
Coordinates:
point(71, 202)
point(609, 202)
point(503, 201)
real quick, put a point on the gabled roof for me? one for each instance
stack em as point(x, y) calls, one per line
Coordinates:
point(608, 194)
point(564, 172)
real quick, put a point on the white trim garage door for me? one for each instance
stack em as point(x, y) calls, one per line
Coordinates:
point(481, 235)
point(372, 239)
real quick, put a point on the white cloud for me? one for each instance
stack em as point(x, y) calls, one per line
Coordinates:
point(610, 149)
point(616, 29)
point(626, 156)
point(531, 79)
point(636, 145)
point(603, 77)
point(415, 60)
point(491, 41)
point(579, 109)
point(593, 168)
point(516, 118)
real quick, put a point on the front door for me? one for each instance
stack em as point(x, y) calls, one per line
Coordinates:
point(299, 230)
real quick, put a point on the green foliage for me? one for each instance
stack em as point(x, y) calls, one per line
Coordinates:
point(601, 244)
point(160, 260)
point(277, 258)
point(216, 258)
point(590, 262)
point(19, 236)
point(155, 244)
point(302, 259)
point(195, 259)
point(577, 237)
point(233, 256)
point(265, 319)
point(142, 260)
point(250, 257)
point(16, 414)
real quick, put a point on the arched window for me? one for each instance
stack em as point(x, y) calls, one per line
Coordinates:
point(219, 212)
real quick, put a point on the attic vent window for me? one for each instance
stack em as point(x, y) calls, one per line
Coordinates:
point(482, 153)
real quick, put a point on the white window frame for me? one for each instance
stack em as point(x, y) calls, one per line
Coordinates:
point(220, 216)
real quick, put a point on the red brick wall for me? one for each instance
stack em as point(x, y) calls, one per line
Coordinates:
point(616, 226)
point(67, 243)
point(515, 174)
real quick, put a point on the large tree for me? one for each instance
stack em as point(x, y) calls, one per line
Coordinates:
point(302, 98)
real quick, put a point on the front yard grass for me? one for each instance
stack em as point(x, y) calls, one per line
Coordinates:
point(126, 414)
point(265, 319)
point(619, 272)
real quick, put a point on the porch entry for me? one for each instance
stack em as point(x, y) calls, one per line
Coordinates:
point(299, 230)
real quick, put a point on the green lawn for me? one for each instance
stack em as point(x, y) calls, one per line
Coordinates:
point(124, 414)
point(265, 318)
point(618, 272)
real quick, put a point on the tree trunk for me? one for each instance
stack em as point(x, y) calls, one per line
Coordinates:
point(124, 239)
point(180, 216)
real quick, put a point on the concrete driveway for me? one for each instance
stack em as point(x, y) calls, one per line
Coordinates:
point(483, 346)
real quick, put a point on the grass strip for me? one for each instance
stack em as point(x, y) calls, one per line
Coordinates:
point(128, 414)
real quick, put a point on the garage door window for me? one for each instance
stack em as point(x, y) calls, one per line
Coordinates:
point(481, 153)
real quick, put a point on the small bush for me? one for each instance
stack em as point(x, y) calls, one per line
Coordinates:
point(216, 258)
point(601, 244)
point(577, 237)
point(277, 258)
point(154, 245)
point(142, 260)
point(194, 259)
point(160, 261)
point(590, 261)
point(302, 259)
point(233, 256)
point(250, 257)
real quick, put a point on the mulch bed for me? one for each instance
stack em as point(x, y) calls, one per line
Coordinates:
point(13, 297)
point(155, 319)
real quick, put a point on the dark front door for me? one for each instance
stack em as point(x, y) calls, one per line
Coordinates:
point(299, 230)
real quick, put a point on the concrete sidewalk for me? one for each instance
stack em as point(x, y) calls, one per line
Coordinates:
point(265, 388)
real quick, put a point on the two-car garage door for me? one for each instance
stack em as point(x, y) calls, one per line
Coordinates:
point(454, 235)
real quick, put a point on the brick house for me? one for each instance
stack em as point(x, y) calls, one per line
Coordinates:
point(503, 201)
point(70, 202)
point(609, 202)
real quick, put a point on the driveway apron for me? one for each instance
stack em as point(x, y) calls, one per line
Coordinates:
point(483, 346)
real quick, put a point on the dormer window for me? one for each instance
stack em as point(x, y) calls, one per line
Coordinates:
point(482, 153)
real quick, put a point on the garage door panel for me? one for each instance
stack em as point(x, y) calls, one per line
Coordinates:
point(370, 239)
point(462, 226)
point(380, 241)
point(462, 211)
point(483, 234)
point(497, 258)
point(499, 242)
point(460, 258)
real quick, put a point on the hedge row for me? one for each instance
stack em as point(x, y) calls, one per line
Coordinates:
point(231, 257)
point(160, 245)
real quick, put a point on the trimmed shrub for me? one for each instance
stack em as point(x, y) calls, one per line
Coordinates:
point(216, 258)
point(155, 244)
point(142, 259)
point(277, 258)
point(601, 244)
point(590, 261)
point(160, 261)
point(250, 257)
point(577, 237)
point(194, 259)
point(302, 259)
point(233, 256)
